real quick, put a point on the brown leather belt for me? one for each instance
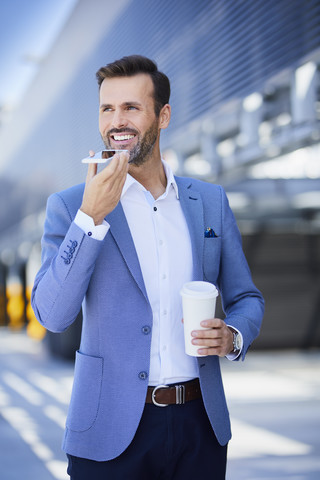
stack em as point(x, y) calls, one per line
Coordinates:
point(164, 395)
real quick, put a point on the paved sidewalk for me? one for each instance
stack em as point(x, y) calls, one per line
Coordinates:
point(274, 402)
point(273, 398)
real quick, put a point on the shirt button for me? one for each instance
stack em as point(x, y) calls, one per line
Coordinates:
point(146, 329)
point(160, 242)
point(164, 276)
point(165, 312)
point(155, 209)
point(143, 375)
point(89, 234)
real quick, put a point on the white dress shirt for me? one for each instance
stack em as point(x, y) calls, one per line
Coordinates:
point(161, 237)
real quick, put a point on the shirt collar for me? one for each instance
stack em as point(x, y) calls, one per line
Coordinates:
point(130, 181)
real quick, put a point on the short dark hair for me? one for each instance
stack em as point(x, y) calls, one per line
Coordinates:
point(133, 65)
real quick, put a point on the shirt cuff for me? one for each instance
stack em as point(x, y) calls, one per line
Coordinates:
point(234, 355)
point(86, 223)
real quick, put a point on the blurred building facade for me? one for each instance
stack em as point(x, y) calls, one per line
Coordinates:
point(245, 80)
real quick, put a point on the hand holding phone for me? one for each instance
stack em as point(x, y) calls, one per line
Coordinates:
point(103, 189)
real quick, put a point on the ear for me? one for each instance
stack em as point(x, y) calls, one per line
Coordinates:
point(164, 116)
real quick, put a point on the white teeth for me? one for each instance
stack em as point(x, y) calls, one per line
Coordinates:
point(123, 137)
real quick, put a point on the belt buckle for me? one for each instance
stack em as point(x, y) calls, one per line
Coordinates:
point(180, 394)
point(153, 396)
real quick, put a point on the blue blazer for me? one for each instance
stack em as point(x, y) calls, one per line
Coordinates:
point(104, 277)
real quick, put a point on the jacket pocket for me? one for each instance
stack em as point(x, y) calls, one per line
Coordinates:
point(86, 391)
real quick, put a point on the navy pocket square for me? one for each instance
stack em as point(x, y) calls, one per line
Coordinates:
point(210, 233)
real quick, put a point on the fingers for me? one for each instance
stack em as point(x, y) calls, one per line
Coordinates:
point(213, 323)
point(114, 175)
point(92, 171)
point(114, 172)
point(209, 333)
point(103, 189)
point(92, 168)
point(215, 329)
point(125, 155)
point(117, 167)
point(216, 340)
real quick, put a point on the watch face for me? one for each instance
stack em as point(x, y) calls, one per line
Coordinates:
point(236, 341)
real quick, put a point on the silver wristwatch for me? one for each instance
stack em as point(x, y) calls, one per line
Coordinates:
point(236, 341)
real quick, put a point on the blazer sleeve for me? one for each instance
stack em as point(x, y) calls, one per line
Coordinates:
point(242, 302)
point(67, 263)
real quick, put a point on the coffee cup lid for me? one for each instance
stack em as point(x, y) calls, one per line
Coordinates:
point(199, 289)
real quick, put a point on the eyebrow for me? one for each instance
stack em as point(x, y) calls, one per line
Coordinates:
point(124, 104)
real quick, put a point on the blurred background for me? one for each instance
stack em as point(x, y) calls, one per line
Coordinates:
point(245, 78)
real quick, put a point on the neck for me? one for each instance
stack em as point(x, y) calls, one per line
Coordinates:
point(151, 175)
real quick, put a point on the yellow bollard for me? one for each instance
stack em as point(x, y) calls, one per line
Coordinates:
point(34, 329)
point(15, 306)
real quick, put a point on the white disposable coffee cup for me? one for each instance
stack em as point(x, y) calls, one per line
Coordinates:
point(198, 303)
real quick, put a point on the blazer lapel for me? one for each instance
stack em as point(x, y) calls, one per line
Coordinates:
point(192, 207)
point(120, 231)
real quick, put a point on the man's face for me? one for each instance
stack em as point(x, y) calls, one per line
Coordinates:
point(127, 118)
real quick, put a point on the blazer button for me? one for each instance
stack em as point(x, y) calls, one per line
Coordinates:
point(143, 375)
point(146, 329)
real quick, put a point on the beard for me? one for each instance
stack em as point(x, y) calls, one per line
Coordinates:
point(144, 147)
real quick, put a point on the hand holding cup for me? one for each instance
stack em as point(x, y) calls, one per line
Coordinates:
point(198, 304)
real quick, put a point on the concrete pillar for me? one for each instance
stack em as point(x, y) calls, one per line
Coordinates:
point(304, 93)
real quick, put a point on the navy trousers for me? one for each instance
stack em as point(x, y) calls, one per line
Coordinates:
point(171, 443)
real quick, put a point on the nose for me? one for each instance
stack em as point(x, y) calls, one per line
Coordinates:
point(119, 119)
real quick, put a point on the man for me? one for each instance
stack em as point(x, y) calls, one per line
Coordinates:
point(122, 246)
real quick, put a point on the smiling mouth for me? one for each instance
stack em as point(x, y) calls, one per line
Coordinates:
point(121, 138)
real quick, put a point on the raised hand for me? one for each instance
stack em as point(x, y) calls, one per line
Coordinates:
point(103, 190)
